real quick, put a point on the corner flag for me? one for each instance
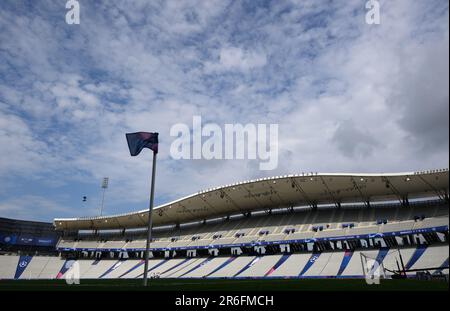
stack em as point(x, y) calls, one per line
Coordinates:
point(137, 142)
point(140, 140)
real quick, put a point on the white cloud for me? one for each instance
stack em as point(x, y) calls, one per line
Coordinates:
point(347, 96)
point(233, 58)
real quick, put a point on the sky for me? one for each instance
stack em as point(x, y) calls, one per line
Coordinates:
point(347, 96)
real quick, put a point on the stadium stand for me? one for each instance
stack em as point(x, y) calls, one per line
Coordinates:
point(403, 230)
point(20, 235)
point(8, 266)
point(239, 231)
point(303, 265)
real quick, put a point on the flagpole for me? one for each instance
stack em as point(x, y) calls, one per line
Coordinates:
point(149, 233)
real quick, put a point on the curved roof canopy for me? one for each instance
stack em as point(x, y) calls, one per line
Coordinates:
point(276, 192)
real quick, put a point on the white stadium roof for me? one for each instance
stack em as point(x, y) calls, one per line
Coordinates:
point(276, 192)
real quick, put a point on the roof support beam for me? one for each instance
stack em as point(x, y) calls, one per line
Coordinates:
point(203, 198)
point(393, 189)
point(363, 198)
point(186, 209)
point(405, 201)
point(332, 197)
point(253, 197)
point(224, 194)
point(438, 193)
point(304, 195)
point(282, 202)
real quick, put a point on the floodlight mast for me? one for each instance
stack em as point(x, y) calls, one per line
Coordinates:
point(104, 187)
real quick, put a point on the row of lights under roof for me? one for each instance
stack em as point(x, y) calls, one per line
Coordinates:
point(261, 179)
point(271, 178)
point(364, 179)
point(431, 171)
point(98, 218)
point(268, 178)
point(60, 222)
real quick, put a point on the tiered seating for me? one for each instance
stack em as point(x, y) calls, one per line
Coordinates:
point(326, 223)
point(397, 226)
point(136, 244)
point(232, 268)
point(67, 243)
point(160, 243)
point(304, 264)
point(52, 268)
point(434, 256)
point(88, 244)
point(8, 266)
point(261, 266)
point(35, 267)
point(431, 222)
point(113, 244)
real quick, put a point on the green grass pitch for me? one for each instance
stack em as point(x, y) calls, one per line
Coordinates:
point(225, 285)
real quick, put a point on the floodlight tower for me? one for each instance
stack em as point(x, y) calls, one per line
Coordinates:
point(104, 187)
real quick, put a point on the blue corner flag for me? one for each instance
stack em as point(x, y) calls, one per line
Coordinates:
point(137, 142)
point(140, 140)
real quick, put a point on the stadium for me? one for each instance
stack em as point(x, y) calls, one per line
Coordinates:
point(286, 230)
point(290, 145)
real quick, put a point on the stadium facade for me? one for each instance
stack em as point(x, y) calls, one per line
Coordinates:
point(307, 225)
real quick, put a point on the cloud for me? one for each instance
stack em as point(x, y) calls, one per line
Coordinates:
point(233, 58)
point(424, 98)
point(347, 96)
point(353, 142)
point(19, 152)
